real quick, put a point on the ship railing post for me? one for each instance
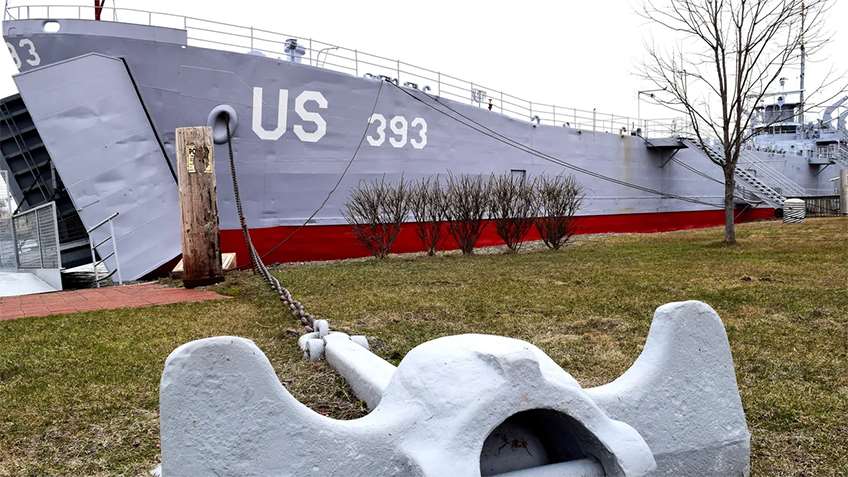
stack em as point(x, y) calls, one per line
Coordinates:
point(501, 102)
point(14, 240)
point(555, 121)
point(531, 110)
point(398, 71)
point(356, 61)
point(439, 83)
point(594, 119)
point(115, 251)
point(251, 38)
point(38, 240)
point(94, 263)
point(310, 51)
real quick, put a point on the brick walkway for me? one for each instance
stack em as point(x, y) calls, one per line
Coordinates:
point(108, 298)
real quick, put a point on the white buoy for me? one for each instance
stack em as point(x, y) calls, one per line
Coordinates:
point(794, 211)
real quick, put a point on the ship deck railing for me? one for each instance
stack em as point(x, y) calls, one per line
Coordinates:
point(252, 40)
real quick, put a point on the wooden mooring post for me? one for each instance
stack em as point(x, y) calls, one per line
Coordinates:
point(198, 207)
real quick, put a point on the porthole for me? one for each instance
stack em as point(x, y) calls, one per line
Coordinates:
point(51, 27)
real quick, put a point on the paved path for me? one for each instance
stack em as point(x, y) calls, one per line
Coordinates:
point(130, 296)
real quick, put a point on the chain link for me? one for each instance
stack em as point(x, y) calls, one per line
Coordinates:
point(295, 307)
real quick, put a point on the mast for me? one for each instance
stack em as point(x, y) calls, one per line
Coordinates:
point(803, 59)
point(98, 8)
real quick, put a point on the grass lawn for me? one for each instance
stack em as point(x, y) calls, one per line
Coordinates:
point(79, 393)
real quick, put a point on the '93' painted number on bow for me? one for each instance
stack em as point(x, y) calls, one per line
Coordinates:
point(400, 132)
point(31, 56)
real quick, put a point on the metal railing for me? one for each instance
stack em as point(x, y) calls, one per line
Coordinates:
point(8, 257)
point(34, 239)
point(770, 175)
point(823, 206)
point(113, 254)
point(252, 40)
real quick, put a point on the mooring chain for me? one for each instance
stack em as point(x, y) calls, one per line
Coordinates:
point(295, 307)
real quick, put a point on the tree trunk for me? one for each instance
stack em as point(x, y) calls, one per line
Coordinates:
point(729, 209)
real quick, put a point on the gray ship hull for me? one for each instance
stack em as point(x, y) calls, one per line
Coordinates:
point(299, 125)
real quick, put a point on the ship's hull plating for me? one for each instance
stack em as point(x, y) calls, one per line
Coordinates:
point(298, 128)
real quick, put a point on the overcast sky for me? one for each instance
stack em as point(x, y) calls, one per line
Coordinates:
point(572, 53)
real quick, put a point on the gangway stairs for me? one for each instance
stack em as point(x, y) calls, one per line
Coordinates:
point(766, 193)
point(776, 179)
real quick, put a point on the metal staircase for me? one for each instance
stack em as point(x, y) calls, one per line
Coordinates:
point(776, 179)
point(759, 188)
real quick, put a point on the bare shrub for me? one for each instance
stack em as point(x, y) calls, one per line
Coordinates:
point(557, 201)
point(466, 206)
point(512, 207)
point(376, 211)
point(427, 203)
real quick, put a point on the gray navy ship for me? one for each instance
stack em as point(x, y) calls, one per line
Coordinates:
point(102, 91)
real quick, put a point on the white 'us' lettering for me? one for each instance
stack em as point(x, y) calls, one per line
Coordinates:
point(305, 134)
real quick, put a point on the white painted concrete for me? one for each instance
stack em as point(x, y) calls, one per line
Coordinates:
point(22, 283)
point(456, 406)
point(224, 412)
point(366, 373)
point(682, 397)
point(577, 468)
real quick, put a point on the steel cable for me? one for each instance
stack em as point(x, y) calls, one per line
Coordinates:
point(338, 182)
point(486, 131)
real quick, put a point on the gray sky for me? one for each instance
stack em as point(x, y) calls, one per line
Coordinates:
point(572, 53)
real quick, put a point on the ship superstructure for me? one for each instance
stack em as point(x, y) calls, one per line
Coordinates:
point(311, 120)
point(780, 129)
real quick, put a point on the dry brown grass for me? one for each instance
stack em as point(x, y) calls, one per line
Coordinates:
point(78, 393)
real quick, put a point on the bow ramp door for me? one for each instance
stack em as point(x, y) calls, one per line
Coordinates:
point(97, 131)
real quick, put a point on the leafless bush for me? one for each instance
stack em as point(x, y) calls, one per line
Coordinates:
point(557, 200)
point(512, 207)
point(427, 203)
point(466, 205)
point(376, 211)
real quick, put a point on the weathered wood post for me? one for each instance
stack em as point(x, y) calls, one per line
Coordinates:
point(198, 207)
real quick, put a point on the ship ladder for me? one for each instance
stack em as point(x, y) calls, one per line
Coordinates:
point(762, 190)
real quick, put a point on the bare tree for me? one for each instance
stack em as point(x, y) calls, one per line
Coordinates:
point(427, 203)
point(466, 205)
point(557, 201)
point(513, 208)
point(730, 54)
point(376, 210)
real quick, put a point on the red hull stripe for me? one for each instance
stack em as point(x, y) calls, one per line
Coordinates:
point(332, 242)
